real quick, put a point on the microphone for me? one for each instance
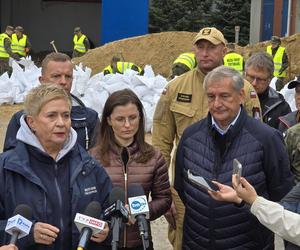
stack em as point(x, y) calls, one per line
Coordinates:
point(88, 224)
point(19, 225)
point(118, 214)
point(139, 210)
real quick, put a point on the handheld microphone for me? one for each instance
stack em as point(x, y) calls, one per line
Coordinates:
point(19, 225)
point(118, 214)
point(88, 224)
point(139, 210)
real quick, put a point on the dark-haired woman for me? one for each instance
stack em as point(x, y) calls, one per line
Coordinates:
point(128, 159)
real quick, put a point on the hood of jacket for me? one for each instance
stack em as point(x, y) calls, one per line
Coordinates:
point(26, 135)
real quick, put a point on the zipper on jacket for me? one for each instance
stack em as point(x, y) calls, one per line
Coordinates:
point(125, 170)
point(59, 202)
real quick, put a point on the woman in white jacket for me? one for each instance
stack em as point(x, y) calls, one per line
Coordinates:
point(282, 222)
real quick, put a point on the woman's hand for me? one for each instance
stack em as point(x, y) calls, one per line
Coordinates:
point(130, 220)
point(225, 193)
point(99, 237)
point(44, 233)
point(244, 189)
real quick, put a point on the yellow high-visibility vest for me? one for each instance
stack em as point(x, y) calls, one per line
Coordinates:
point(234, 60)
point(277, 59)
point(122, 66)
point(187, 59)
point(109, 69)
point(78, 43)
point(18, 46)
point(3, 53)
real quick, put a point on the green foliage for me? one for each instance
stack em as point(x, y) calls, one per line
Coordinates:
point(192, 15)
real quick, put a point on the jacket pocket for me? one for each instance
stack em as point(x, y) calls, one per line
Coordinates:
point(184, 115)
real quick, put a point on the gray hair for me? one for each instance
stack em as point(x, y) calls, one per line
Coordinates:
point(261, 61)
point(221, 72)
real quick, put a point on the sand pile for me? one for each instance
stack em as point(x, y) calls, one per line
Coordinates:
point(161, 49)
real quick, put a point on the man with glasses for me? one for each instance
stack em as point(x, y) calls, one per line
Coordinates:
point(259, 72)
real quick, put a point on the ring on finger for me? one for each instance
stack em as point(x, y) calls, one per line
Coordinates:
point(42, 236)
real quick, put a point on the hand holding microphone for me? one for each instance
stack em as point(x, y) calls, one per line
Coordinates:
point(89, 226)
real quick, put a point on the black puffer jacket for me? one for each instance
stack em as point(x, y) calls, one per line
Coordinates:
point(210, 224)
point(273, 105)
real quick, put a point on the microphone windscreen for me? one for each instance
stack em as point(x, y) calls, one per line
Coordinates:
point(135, 190)
point(23, 210)
point(93, 209)
point(117, 193)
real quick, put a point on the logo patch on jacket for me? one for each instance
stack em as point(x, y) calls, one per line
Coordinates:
point(181, 97)
point(90, 190)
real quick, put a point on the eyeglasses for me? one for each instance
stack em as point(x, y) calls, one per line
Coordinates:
point(120, 120)
point(257, 79)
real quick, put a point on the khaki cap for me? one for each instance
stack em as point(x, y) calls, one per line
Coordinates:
point(275, 39)
point(210, 34)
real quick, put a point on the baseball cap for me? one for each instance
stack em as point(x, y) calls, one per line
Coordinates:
point(77, 29)
point(19, 28)
point(292, 84)
point(275, 39)
point(11, 28)
point(210, 34)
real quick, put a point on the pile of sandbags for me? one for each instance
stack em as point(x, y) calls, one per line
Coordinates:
point(93, 91)
point(97, 89)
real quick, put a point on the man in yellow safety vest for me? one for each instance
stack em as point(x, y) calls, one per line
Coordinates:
point(81, 43)
point(183, 63)
point(20, 44)
point(233, 59)
point(117, 66)
point(5, 50)
point(280, 60)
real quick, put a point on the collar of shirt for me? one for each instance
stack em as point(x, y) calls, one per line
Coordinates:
point(224, 131)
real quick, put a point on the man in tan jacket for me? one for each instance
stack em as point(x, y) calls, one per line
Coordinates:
point(184, 102)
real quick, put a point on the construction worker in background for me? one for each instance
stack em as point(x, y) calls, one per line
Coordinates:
point(233, 59)
point(182, 103)
point(280, 60)
point(117, 66)
point(183, 63)
point(81, 43)
point(5, 50)
point(20, 44)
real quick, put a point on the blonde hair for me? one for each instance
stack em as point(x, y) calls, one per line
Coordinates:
point(41, 95)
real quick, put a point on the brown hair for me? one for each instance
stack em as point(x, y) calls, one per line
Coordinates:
point(106, 139)
point(56, 57)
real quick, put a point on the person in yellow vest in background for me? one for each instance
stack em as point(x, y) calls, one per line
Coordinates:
point(280, 60)
point(117, 66)
point(233, 59)
point(5, 50)
point(183, 63)
point(81, 43)
point(20, 44)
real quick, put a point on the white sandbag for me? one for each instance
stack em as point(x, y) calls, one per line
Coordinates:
point(289, 96)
